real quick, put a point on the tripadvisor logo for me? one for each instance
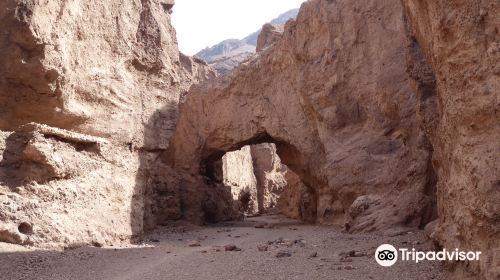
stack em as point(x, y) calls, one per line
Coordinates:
point(387, 255)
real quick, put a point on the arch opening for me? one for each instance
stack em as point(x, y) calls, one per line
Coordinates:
point(259, 176)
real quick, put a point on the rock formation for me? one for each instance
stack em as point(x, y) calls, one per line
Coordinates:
point(374, 115)
point(109, 76)
point(239, 176)
point(337, 102)
point(269, 35)
point(460, 40)
point(260, 183)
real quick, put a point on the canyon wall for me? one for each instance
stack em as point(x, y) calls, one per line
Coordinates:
point(334, 95)
point(461, 41)
point(373, 106)
point(89, 95)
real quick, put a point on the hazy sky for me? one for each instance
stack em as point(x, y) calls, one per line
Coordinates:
point(202, 23)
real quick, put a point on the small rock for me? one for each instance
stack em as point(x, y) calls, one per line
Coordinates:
point(262, 248)
point(231, 247)
point(348, 267)
point(313, 255)
point(283, 254)
point(154, 240)
point(260, 225)
point(194, 243)
point(300, 242)
point(355, 254)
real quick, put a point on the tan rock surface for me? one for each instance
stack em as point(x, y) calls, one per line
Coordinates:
point(269, 35)
point(108, 69)
point(239, 176)
point(461, 42)
point(337, 102)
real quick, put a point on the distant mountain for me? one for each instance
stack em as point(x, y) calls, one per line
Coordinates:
point(227, 54)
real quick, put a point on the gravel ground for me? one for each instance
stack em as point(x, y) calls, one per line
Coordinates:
point(283, 249)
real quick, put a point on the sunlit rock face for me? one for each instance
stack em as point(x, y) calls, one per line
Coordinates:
point(333, 94)
point(89, 95)
point(260, 183)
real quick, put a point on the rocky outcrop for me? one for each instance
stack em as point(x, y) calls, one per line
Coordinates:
point(339, 105)
point(103, 80)
point(269, 35)
point(460, 40)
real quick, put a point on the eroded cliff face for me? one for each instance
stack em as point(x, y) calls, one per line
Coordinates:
point(461, 41)
point(334, 96)
point(259, 183)
point(103, 81)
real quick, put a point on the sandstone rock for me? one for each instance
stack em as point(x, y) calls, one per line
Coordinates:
point(345, 124)
point(240, 178)
point(258, 181)
point(103, 80)
point(460, 41)
point(269, 35)
point(231, 247)
point(283, 254)
point(194, 243)
point(262, 248)
point(430, 228)
point(10, 233)
point(269, 174)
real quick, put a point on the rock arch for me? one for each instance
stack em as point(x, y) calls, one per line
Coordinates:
point(339, 104)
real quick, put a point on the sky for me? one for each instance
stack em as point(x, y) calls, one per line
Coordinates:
point(202, 23)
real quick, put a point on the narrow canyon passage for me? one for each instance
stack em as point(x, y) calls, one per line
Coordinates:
point(284, 249)
point(293, 152)
point(261, 184)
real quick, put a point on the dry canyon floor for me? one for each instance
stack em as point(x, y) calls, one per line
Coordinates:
point(283, 249)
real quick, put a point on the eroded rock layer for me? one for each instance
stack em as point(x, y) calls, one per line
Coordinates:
point(105, 79)
point(334, 95)
point(461, 41)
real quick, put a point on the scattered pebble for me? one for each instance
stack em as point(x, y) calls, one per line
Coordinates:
point(231, 247)
point(262, 248)
point(283, 254)
point(260, 225)
point(194, 243)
